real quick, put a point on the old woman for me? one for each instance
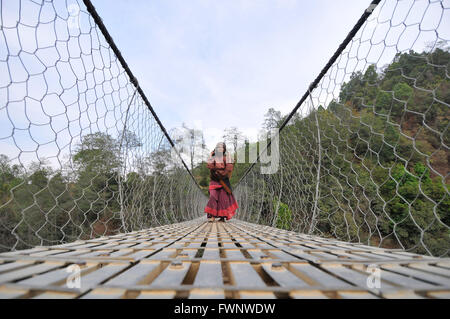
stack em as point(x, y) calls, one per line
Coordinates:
point(222, 203)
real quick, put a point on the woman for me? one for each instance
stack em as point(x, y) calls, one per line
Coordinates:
point(221, 202)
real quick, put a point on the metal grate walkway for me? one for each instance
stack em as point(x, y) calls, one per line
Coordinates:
point(197, 259)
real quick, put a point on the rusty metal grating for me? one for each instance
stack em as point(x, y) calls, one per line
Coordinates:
point(197, 259)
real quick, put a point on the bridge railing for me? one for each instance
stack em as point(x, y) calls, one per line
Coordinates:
point(83, 153)
point(364, 156)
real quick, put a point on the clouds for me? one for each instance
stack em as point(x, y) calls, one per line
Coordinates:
point(224, 63)
point(209, 64)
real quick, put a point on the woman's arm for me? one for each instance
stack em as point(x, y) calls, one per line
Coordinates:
point(229, 165)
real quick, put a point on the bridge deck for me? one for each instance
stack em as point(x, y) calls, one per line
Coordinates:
point(198, 259)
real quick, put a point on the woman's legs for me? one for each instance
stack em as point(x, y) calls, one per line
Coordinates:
point(220, 205)
point(211, 207)
point(227, 204)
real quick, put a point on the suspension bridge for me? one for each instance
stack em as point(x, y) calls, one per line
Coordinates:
point(97, 202)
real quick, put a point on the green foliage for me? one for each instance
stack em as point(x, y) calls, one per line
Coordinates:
point(383, 171)
point(283, 213)
point(382, 159)
point(43, 207)
point(409, 196)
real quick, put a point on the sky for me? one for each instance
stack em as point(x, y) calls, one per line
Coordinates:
point(218, 64)
point(211, 65)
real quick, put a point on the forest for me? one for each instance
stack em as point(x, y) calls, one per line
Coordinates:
point(383, 155)
point(384, 161)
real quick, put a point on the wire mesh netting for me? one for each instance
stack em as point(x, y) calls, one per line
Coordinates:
point(365, 157)
point(82, 155)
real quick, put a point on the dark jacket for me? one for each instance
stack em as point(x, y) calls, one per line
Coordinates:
point(220, 168)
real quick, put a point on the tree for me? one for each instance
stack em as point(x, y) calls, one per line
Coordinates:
point(272, 119)
point(98, 162)
point(190, 142)
point(234, 137)
point(128, 139)
point(97, 152)
point(160, 161)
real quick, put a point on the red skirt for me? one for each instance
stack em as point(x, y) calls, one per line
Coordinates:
point(220, 204)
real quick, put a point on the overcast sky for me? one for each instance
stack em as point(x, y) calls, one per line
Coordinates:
point(217, 64)
point(209, 64)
